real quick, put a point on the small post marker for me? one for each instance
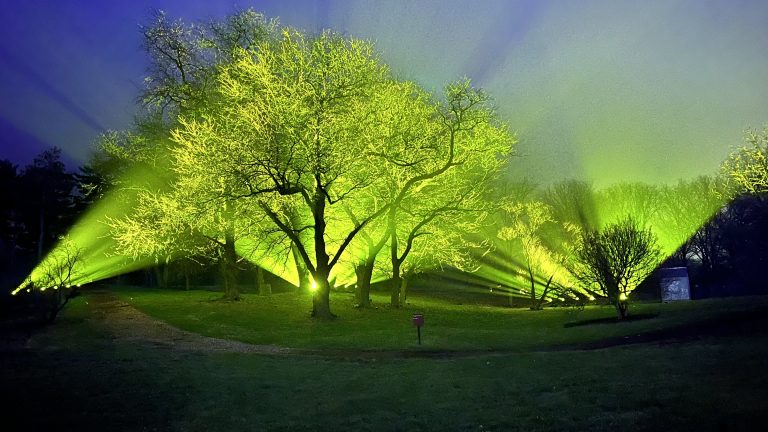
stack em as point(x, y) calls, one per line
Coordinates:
point(418, 321)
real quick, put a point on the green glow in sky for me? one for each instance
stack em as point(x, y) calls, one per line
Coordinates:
point(649, 91)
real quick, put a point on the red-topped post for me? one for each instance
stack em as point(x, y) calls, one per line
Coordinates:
point(418, 321)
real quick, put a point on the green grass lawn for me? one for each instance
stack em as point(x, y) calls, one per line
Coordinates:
point(75, 376)
point(283, 319)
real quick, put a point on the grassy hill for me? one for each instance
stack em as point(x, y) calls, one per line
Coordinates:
point(79, 374)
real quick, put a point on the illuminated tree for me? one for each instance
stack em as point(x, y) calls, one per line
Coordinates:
point(463, 150)
point(439, 243)
point(287, 131)
point(183, 57)
point(406, 148)
point(573, 203)
point(134, 168)
point(616, 259)
point(686, 207)
point(538, 244)
point(746, 168)
point(53, 282)
point(169, 222)
point(165, 229)
point(364, 250)
point(526, 228)
point(739, 227)
point(641, 201)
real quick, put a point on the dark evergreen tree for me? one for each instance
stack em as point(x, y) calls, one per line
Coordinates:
point(45, 202)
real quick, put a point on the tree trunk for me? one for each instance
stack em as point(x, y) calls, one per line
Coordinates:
point(396, 281)
point(265, 289)
point(534, 303)
point(229, 256)
point(166, 272)
point(622, 308)
point(321, 305)
point(404, 288)
point(540, 302)
point(394, 300)
point(364, 272)
point(301, 269)
point(186, 277)
point(226, 266)
point(158, 275)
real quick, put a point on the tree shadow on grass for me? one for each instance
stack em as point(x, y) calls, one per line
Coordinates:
point(610, 320)
point(733, 324)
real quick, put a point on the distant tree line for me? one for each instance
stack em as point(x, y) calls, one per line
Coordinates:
point(567, 242)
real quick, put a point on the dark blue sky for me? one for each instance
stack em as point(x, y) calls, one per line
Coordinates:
point(607, 90)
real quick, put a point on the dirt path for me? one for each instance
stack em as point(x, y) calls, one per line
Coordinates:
point(128, 323)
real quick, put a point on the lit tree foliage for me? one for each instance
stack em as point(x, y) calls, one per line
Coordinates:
point(169, 222)
point(406, 148)
point(465, 149)
point(616, 259)
point(134, 164)
point(642, 201)
point(746, 168)
point(440, 237)
point(531, 233)
point(183, 57)
point(315, 135)
point(164, 229)
point(527, 223)
point(286, 132)
point(52, 282)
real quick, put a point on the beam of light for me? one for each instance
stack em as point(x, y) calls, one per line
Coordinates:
point(582, 106)
point(91, 237)
point(19, 144)
point(42, 84)
point(282, 266)
point(672, 213)
point(500, 37)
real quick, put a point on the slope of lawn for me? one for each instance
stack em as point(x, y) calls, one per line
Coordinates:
point(283, 319)
point(75, 376)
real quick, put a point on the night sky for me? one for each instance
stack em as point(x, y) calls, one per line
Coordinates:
point(604, 90)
